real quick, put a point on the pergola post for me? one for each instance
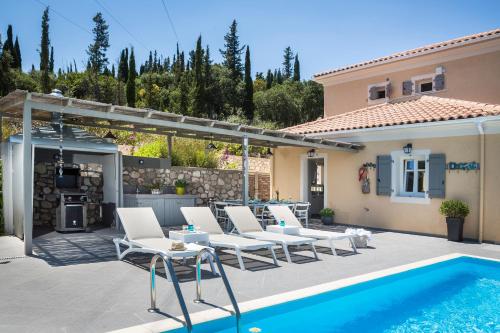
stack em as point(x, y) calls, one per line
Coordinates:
point(244, 167)
point(169, 145)
point(27, 178)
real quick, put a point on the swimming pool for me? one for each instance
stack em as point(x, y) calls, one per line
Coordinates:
point(457, 295)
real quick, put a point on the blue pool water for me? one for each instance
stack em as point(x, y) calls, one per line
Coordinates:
point(458, 295)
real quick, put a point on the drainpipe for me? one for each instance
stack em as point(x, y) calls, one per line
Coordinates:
point(480, 129)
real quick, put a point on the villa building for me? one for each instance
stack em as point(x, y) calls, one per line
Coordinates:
point(429, 120)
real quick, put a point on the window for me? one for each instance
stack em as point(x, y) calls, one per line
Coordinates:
point(414, 171)
point(424, 86)
point(410, 176)
point(378, 92)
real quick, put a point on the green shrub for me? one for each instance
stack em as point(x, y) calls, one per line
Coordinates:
point(185, 152)
point(326, 212)
point(454, 209)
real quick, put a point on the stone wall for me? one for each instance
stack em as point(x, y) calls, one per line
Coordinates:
point(207, 184)
point(45, 194)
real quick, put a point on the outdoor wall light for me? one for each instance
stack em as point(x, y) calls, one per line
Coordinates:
point(311, 153)
point(407, 149)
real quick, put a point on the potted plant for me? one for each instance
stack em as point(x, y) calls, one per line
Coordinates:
point(455, 212)
point(155, 187)
point(327, 216)
point(180, 186)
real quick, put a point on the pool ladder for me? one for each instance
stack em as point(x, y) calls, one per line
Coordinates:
point(169, 269)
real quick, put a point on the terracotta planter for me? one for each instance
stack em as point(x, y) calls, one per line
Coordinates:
point(180, 190)
point(455, 228)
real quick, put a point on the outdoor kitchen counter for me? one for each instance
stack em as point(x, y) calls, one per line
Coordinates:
point(167, 207)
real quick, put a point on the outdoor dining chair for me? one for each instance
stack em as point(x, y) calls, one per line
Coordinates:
point(301, 211)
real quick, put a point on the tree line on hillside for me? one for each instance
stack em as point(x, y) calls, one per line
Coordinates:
point(185, 83)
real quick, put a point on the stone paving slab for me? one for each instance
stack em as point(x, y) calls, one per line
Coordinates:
point(75, 283)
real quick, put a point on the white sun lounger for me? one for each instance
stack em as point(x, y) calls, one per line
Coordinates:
point(248, 226)
point(284, 213)
point(143, 234)
point(203, 218)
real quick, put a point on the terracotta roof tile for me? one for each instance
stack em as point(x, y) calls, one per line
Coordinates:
point(418, 51)
point(409, 110)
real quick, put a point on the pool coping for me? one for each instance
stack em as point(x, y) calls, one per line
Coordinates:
point(219, 313)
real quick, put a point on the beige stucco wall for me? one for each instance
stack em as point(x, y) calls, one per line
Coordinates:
point(473, 77)
point(353, 207)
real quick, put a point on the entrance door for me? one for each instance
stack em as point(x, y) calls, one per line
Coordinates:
point(316, 194)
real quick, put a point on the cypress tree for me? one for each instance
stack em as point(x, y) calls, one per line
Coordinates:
point(279, 77)
point(9, 42)
point(17, 55)
point(232, 52)
point(74, 66)
point(123, 66)
point(131, 80)
point(296, 69)
point(113, 70)
point(44, 53)
point(198, 92)
point(97, 50)
point(6, 81)
point(269, 79)
point(183, 103)
point(51, 61)
point(248, 106)
point(287, 63)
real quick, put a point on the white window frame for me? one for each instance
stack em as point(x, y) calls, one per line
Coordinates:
point(399, 195)
point(378, 85)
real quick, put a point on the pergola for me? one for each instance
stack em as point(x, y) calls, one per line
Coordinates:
point(41, 107)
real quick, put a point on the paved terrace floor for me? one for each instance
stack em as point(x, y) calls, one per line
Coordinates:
point(75, 283)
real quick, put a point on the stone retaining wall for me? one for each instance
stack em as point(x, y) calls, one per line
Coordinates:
point(207, 184)
point(255, 164)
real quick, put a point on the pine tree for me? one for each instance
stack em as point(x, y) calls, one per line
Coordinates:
point(232, 52)
point(44, 53)
point(296, 69)
point(17, 55)
point(269, 79)
point(97, 50)
point(287, 63)
point(248, 106)
point(198, 90)
point(131, 80)
point(51, 61)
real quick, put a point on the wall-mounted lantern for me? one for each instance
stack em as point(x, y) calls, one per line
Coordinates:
point(407, 149)
point(311, 153)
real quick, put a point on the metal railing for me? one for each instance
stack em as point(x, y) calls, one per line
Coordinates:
point(169, 270)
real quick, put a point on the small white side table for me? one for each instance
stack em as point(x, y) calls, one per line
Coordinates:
point(198, 237)
point(287, 229)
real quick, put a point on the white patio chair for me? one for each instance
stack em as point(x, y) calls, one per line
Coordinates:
point(203, 218)
point(301, 211)
point(247, 225)
point(285, 214)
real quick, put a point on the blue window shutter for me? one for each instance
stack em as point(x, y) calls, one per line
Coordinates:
point(437, 175)
point(384, 168)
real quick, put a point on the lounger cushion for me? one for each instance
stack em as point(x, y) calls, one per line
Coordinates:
point(203, 218)
point(243, 219)
point(279, 238)
point(140, 222)
point(232, 241)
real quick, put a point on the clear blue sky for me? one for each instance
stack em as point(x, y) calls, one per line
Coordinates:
point(326, 34)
